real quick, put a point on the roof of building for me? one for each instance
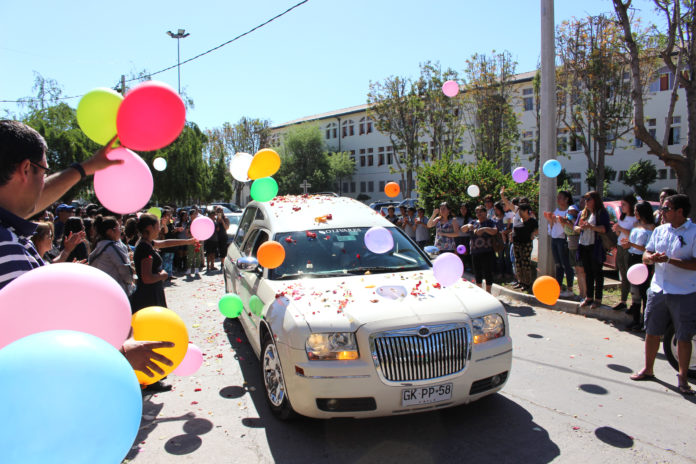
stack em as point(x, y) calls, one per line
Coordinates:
point(522, 77)
point(291, 213)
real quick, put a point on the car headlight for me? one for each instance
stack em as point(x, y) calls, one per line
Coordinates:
point(331, 346)
point(487, 328)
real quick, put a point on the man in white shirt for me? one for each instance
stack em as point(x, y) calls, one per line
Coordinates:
point(672, 293)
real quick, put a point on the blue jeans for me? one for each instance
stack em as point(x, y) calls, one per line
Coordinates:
point(167, 262)
point(559, 248)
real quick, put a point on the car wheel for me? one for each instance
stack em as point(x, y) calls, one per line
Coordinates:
point(669, 345)
point(274, 382)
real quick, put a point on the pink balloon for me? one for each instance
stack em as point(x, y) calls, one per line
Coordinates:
point(191, 363)
point(520, 174)
point(64, 296)
point(448, 269)
point(637, 274)
point(450, 88)
point(202, 228)
point(150, 117)
point(126, 187)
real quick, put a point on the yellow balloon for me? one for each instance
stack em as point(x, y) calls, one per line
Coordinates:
point(96, 114)
point(265, 163)
point(163, 325)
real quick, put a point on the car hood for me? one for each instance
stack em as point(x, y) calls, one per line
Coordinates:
point(348, 302)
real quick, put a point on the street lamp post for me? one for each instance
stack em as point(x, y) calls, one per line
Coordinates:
point(180, 34)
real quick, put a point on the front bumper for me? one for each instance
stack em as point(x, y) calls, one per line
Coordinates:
point(311, 385)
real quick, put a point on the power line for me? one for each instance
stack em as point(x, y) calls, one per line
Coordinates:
point(25, 100)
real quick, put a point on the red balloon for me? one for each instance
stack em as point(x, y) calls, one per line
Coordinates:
point(150, 117)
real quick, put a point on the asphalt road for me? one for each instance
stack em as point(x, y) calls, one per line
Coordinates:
point(568, 399)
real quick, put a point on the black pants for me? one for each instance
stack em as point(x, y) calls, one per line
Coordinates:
point(639, 293)
point(483, 266)
point(593, 272)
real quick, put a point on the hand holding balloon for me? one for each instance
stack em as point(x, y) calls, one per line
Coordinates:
point(100, 161)
point(141, 356)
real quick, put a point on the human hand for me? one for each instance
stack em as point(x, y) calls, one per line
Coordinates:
point(142, 357)
point(73, 239)
point(615, 227)
point(163, 275)
point(659, 258)
point(99, 160)
point(436, 212)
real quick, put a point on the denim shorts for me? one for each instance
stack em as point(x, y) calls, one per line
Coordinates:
point(681, 309)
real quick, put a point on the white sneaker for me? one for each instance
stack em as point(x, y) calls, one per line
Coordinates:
point(198, 270)
point(188, 271)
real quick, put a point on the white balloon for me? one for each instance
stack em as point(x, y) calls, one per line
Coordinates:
point(239, 166)
point(473, 191)
point(159, 164)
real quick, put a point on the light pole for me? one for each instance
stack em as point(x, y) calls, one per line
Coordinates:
point(180, 34)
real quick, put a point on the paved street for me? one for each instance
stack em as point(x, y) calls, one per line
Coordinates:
point(568, 399)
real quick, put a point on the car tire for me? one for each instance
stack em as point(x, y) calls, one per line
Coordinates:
point(274, 381)
point(669, 345)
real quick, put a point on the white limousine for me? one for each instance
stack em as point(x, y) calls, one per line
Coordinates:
point(344, 332)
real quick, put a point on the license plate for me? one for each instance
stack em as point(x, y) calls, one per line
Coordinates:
point(426, 395)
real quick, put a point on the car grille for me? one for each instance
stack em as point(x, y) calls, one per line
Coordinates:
point(403, 355)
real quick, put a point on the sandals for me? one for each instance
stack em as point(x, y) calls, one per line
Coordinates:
point(642, 376)
point(586, 302)
point(684, 387)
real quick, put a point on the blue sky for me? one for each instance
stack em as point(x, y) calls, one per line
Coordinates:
point(318, 58)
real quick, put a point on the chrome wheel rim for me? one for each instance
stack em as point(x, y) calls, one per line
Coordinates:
point(673, 346)
point(273, 376)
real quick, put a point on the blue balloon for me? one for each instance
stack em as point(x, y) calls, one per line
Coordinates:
point(552, 168)
point(66, 396)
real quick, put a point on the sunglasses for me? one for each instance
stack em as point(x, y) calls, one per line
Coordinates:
point(666, 208)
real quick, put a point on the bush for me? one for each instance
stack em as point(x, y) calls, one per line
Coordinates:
point(640, 175)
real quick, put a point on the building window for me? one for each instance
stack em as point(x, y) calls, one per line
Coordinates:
point(666, 81)
point(652, 122)
point(674, 135)
point(652, 132)
point(621, 175)
point(562, 143)
point(528, 103)
point(672, 174)
point(638, 143)
point(380, 161)
point(345, 187)
point(370, 186)
point(369, 126)
point(390, 159)
point(528, 91)
point(362, 161)
point(362, 187)
point(381, 185)
point(527, 147)
point(347, 128)
point(352, 187)
point(362, 151)
point(676, 119)
point(662, 173)
point(370, 160)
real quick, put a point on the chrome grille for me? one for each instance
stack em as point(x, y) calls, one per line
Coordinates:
point(403, 355)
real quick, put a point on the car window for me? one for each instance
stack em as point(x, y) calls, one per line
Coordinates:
point(612, 214)
point(256, 238)
point(326, 252)
point(244, 224)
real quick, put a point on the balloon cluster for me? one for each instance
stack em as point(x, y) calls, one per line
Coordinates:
point(258, 168)
point(150, 117)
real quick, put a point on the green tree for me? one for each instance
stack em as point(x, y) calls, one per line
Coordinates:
point(490, 120)
point(303, 157)
point(594, 95)
point(591, 179)
point(341, 166)
point(220, 182)
point(396, 106)
point(640, 175)
point(441, 115)
point(675, 46)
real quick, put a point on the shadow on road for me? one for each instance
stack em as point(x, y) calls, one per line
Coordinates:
point(520, 311)
point(495, 429)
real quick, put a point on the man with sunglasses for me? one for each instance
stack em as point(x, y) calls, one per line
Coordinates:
point(672, 293)
point(25, 189)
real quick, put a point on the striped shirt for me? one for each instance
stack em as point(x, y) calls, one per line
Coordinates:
point(17, 252)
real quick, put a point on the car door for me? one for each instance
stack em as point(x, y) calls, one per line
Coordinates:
point(249, 283)
point(234, 251)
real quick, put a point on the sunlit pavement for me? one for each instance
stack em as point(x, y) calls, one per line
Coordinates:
point(569, 399)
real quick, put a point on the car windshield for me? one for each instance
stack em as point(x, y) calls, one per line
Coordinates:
point(332, 252)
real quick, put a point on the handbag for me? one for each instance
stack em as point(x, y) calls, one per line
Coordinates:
point(609, 240)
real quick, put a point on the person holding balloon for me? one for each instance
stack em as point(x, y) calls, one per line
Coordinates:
point(523, 235)
point(622, 228)
point(635, 245)
point(149, 290)
point(194, 253)
point(446, 228)
point(594, 220)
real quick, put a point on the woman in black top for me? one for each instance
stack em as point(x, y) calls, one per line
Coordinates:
point(74, 225)
point(523, 235)
point(149, 290)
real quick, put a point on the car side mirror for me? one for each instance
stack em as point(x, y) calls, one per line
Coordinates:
point(247, 263)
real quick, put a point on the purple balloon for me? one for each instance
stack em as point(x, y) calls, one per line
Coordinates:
point(448, 269)
point(379, 240)
point(461, 249)
point(520, 175)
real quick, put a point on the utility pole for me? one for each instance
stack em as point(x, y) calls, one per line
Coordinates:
point(547, 185)
point(180, 34)
point(123, 85)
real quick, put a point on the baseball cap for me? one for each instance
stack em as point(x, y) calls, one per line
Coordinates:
point(64, 207)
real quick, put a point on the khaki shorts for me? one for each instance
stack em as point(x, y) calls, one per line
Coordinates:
point(573, 258)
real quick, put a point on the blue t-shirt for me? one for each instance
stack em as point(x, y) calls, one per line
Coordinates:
point(640, 237)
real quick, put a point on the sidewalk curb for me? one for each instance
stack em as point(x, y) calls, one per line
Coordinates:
point(566, 306)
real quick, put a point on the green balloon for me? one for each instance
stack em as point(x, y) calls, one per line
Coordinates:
point(155, 211)
point(231, 305)
point(264, 189)
point(255, 305)
point(96, 114)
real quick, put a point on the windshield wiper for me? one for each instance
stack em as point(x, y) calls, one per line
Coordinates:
point(377, 269)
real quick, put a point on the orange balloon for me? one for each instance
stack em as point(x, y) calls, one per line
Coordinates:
point(546, 290)
point(265, 163)
point(159, 324)
point(392, 189)
point(271, 254)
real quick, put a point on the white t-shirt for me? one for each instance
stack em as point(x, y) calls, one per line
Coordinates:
point(627, 223)
point(587, 236)
point(557, 230)
point(422, 232)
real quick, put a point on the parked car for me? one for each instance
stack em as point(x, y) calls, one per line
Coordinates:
point(409, 203)
point(231, 206)
point(342, 331)
point(382, 206)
